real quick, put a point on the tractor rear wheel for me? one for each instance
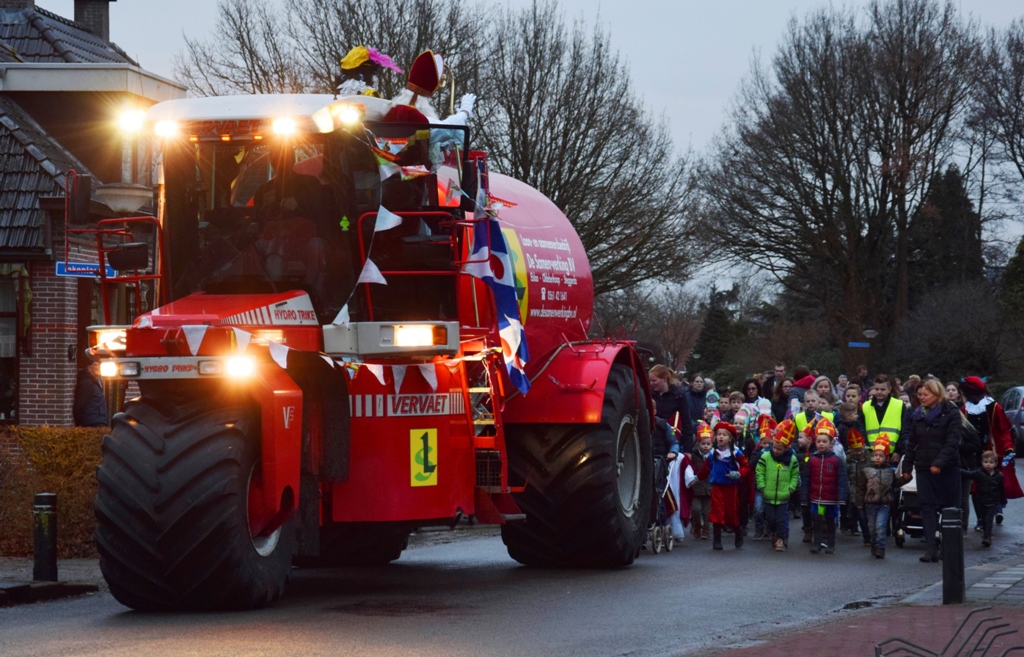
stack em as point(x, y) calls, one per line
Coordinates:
point(173, 508)
point(588, 487)
point(358, 544)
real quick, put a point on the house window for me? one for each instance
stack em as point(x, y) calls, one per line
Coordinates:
point(8, 349)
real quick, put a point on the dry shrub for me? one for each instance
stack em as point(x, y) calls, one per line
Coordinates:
point(59, 460)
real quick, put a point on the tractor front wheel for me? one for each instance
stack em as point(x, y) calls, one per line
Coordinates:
point(588, 487)
point(178, 484)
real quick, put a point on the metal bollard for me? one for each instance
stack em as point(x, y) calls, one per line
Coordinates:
point(45, 514)
point(952, 557)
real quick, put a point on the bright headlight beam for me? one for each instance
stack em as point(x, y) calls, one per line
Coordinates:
point(131, 120)
point(108, 368)
point(414, 336)
point(240, 367)
point(166, 128)
point(284, 125)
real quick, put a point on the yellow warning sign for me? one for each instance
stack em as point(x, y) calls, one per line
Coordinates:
point(423, 457)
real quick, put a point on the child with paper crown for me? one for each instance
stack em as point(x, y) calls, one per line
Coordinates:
point(827, 487)
point(777, 475)
point(724, 468)
point(762, 428)
point(857, 458)
point(875, 490)
point(700, 502)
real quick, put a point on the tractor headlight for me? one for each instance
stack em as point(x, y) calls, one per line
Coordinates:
point(240, 367)
point(108, 369)
point(108, 339)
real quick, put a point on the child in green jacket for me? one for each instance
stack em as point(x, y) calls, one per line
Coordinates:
point(776, 477)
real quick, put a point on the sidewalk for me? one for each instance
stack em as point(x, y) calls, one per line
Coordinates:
point(921, 619)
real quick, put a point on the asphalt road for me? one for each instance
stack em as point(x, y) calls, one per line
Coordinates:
point(469, 598)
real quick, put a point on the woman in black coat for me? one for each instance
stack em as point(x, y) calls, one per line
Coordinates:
point(934, 450)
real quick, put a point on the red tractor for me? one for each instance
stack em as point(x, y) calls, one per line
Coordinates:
point(358, 331)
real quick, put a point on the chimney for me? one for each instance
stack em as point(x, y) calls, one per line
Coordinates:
point(17, 4)
point(93, 15)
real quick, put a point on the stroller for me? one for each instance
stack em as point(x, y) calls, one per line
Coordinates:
point(659, 535)
point(906, 516)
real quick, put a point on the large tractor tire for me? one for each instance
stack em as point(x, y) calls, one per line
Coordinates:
point(358, 544)
point(172, 509)
point(588, 487)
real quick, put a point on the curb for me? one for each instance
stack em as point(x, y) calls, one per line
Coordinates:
point(19, 593)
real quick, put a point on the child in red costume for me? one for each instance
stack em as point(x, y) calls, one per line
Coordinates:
point(724, 469)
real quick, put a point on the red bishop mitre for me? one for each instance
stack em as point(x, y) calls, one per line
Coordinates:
point(405, 114)
point(425, 74)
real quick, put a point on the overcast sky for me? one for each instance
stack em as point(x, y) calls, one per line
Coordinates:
point(687, 56)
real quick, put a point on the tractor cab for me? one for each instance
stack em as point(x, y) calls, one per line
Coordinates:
point(250, 213)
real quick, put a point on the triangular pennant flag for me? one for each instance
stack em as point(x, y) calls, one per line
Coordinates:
point(418, 171)
point(146, 321)
point(279, 353)
point(371, 274)
point(387, 169)
point(377, 371)
point(386, 220)
point(194, 337)
point(242, 339)
point(430, 375)
point(328, 360)
point(398, 372)
point(342, 319)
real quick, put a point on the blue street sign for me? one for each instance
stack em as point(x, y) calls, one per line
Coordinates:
point(82, 269)
point(858, 345)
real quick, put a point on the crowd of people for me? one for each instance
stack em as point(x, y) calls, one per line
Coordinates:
point(835, 455)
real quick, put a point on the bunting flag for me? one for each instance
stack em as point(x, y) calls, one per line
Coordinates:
point(418, 171)
point(371, 274)
point(489, 261)
point(279, 353)
point(376, 370)
point(342, 319)
point(429, 375)
point(146, 321)
point(242, 339)
point(398, 373)
point(386, 220)
point(194, 336)
point(387, 169)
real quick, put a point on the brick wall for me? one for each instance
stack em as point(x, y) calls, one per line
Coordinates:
point(47, 377)
point(94, 15)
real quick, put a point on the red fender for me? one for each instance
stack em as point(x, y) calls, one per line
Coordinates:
point(569, 388)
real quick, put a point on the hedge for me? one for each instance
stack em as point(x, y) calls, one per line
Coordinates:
point(59, 460)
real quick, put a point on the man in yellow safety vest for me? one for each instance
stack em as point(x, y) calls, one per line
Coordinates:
point(885, 413)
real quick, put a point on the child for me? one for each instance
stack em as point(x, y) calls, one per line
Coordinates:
point(765, 426)
point(875, 492)
point(857, 457)
point(777, 475)
point(724, 468)
point(827, 488)
point(728, 410)
point(988, 491)
point(701, 490)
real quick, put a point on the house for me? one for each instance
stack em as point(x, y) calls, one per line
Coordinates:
point(62, 85)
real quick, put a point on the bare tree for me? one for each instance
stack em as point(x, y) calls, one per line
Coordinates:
point(922, 71)
point(668, 316)
point(324, 30)
point(560, 114)
point(247, 54)
point(829, 152)
point(1001, 97)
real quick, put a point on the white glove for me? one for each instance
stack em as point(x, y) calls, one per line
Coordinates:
point(734, 475)
point(466, 105)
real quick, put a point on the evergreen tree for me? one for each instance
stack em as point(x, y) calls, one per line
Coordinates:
point(716, 335)
point(945, 240)
point(1013, 285)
